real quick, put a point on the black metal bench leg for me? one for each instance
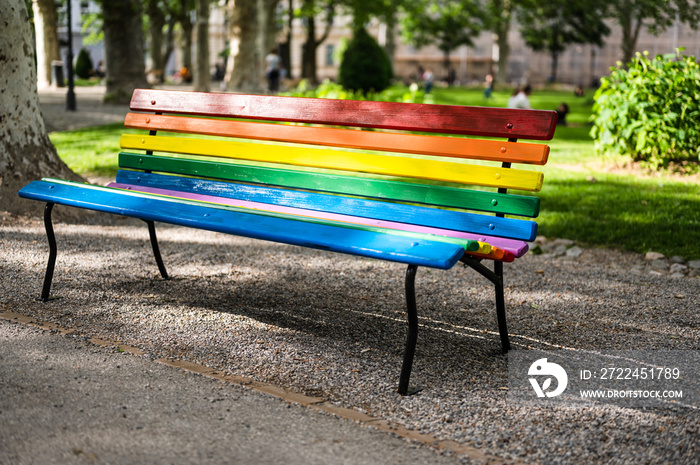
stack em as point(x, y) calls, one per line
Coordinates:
point(501, 307)
point(156, 249)
point(410, 349)
point(48, 277)
point(496, 277)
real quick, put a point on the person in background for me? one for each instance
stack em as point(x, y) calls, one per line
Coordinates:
point(520, 99)
point(428, 78)
point(488, 90)
point(562, 111)
point(272, 71)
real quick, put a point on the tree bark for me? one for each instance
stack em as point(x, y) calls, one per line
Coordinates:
point(124, 52)
point(26, 153)
point(46, 30)
point(245, 63)
point(156, 22)
point(186, 37)
point(502, 29)
point(202, 72)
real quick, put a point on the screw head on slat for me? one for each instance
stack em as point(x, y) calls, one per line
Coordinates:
point(494, 202)
point(508, 126)
point(503, 150)
point(153, 102)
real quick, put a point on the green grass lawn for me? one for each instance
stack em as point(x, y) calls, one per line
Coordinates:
point(582, 198)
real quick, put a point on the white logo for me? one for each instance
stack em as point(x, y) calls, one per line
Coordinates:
point(542, 367)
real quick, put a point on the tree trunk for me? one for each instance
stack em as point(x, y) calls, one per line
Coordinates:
point(123, 49)
point(186, 38)
point(156, 22)
point(502, 29)
point(26, 153)
point(244, 65)
point(630, 33)
point(268, 25)
point(308, 58)
point(555, 66)
point(286, 47)
point(46, 30)
point(202, 73)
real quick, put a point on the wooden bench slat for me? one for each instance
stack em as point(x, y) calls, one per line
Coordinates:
point(453, 197)
point(507, 178)
point(371, 209)
point(449, 119)
point(476, 149)
point(345, 239)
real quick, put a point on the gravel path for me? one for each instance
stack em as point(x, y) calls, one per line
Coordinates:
point(333, 326)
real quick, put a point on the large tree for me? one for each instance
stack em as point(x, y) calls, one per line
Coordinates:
point(500, 19)
point(46, 30)
point(447, 23)
point(310, 11)
point(26, 153)
point(657, 15)
point(554, 25)
point(245, 61)
point(202, 72)
point(124, 52)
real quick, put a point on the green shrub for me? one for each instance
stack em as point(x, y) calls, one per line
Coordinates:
point(328, 89)
point(365, 66)
point(83, 64)
point(650, 111)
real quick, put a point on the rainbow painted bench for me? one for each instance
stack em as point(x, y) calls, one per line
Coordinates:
point(308, 172)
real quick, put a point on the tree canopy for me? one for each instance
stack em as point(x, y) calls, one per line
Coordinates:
point(554, 25)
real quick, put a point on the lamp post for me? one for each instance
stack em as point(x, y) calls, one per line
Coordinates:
point(70, 96)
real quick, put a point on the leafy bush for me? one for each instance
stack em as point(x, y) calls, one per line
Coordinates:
point(650, 110)
point(332, 90)
point(365, 66)
point(83, 64)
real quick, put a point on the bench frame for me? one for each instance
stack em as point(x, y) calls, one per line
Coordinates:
point(495, 276)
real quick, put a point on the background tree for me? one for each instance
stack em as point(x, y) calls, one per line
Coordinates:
point(124, 51)
point(500, 17)
point(46, 30)
point(202, 72)
point(161, 32)
point(447, 23)
point(26, 153)
point(310, 10)
point(554, 25)
point(183, 12)
point(657, 15)
point(245, 61)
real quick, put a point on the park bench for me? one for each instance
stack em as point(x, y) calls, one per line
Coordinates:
point(345, 176)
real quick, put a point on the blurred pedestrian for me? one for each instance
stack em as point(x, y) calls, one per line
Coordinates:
point(520, 98)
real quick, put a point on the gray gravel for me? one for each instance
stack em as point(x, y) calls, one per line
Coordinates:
point(333, 326)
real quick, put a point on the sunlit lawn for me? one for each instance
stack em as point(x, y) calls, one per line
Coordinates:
point(582, 198)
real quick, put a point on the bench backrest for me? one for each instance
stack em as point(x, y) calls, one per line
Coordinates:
point(323, 146)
